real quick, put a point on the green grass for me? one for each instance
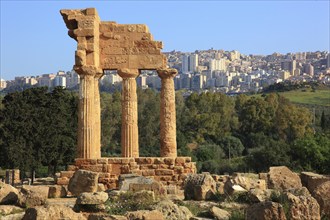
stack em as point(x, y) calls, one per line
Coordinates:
point(307, 96)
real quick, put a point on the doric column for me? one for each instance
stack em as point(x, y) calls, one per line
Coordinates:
point(167, 113)
point(97, 110)
point(89, 125)
point(129, 127)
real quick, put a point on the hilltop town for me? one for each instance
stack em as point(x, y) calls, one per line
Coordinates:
point(207, 70)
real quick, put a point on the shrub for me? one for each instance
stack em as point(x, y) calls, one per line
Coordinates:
point(130, 201)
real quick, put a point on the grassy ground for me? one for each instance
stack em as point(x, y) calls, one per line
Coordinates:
point(309, 97)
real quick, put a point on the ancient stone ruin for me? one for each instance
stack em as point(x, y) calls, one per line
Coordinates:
point(104, 45)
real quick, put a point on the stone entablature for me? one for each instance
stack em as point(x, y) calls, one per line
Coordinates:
point(168, 170)
point(109, 45)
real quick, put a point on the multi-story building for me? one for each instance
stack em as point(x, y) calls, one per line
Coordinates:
point(309, 69)
point(46, 80)
point(189, 63)
point(3, 84)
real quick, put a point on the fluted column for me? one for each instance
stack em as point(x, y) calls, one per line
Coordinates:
point(97, 111)
point(89, 120)
point(168, 147)
point(129, 127)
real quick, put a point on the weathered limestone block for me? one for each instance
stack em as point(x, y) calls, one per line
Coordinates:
point(57, 191)
point(199, 187)
point(312, 180)
point(145, 215)
point(172, 211)
point(83, 181)
point(9, 209)
point(219, 214)
point(95, 198)
point(8, 194)
point(265, 211)
point(282, 178)
point(322, 194)
point(31, 196)
point(52, 212)
point(302, 205)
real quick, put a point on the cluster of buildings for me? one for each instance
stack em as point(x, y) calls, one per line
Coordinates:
point(212, 70)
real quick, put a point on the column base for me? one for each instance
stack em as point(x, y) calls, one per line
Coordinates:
point(167, 170)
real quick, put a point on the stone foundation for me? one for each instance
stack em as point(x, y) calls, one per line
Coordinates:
point(168, 170)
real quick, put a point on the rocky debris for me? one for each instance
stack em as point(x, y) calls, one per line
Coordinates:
point(100, 187)
point(231, 188)
point(92, 198)
point(136, 183)
point(16, 216)
point(258, 195)
point(91, 201)
point(281, 177)
point(31, 196)
point(9, 209)
point(248, 181)
point(219, 214)
point(83, 181)
point(172, 211)
point(52, 212)
point(199, 187)
point(303, 205)
point(126, 179)
point(57, 191)
point(8, 194)
point(312, 180)
point(200, 218)
point(104, 216)
point(145, 215)
point(265, 211)
point(322, 194)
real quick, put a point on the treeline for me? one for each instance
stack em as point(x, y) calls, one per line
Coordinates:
point(222, 133)
point(227, 134)
point(38, 128)
point(289, 86)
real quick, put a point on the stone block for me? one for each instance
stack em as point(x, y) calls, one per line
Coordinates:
point(84, 32)
point(175, 177)
point(114, 161)
point(155, 166)
point(148, 172)
point(102, 161)
point(169, 160)
point(137, 172)
point(165, 178)
point(67, 174)
point(104, 175)
point(163, 166)
point(92, 161)
point(312, 180)
point(164, 172)
point(159, 160)
point(125, 169)
point(145, 160)
point(57, 191)
point(94, 168)
point(83, 181)
point(72, 168)
point(116, 169)
point(62, 181)
point(180, 160)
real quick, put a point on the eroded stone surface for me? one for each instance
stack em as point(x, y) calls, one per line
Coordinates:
point(167, 113)
point(282, 177)
point(83, 181)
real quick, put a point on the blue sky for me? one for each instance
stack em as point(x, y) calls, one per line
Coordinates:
point(34, 37)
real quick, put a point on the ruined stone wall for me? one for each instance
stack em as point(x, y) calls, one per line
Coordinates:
point(168, 170)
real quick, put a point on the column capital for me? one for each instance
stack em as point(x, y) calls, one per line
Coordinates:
point(88, 70)
point(167, 73)
point(128, 73)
